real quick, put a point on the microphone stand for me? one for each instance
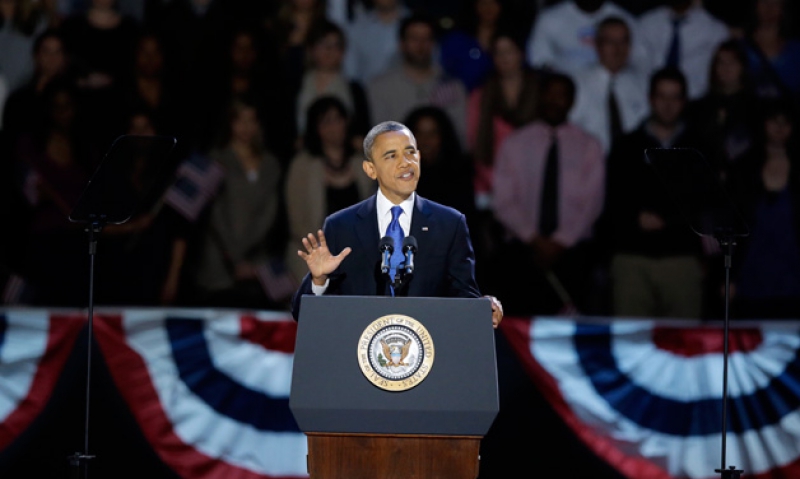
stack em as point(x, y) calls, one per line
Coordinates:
point(727, 242)
point(79, 462)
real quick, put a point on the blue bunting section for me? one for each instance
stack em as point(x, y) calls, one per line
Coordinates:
point(646, 395)
point(209, 389)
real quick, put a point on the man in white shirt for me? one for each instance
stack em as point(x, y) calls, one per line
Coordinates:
point(612, 94)
point(372, 45)
point(562, 37)
point(683, 35)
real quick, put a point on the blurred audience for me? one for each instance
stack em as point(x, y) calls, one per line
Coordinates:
point(372, 40)
point(683, 35)
point(773, 51)
point(766, 183)
point(24, 107)
point(507, 101)
point(54, 161)
point(20, 22)
point(465, 52)
point(324, 177)
point(150, 89)
point(727, 115)
point(310, 77)
point(244, 216)
point(548, 193)
point(324, 76)
point(612, 97)
point(142, 259)
point(447, 177)
point(418, 80)
point(655, 258)
point(562, 37)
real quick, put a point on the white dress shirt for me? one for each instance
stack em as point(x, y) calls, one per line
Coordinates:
point(372, 46)
point(384, 210)
point(591, 110)
point(562, 37)
point(700, 35)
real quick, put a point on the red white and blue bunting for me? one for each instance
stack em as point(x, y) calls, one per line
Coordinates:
point(209, 389)
point(646, 396)
point(34, 345)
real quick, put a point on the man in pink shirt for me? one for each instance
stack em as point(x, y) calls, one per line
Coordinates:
point(548, 193)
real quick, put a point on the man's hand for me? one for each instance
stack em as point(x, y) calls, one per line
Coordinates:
point(319, 259)
point(497, 311)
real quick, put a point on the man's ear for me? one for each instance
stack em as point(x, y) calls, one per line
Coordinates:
point(369, 169)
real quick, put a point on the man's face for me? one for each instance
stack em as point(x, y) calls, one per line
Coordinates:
point(667, 102)
point(556, 103)
point(417, 45)
point(50, 57)
point(395, 164)
point(613, 47)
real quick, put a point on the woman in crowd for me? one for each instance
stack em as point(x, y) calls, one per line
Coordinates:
point(507, 101)
point(243, 218)
point(773, 52)
point(727, 115)
point(54, 163)
point(324, 177)
point(447, 171)
point(767, 185)
point(324, 77)
point(150, 90)
point(24, 107)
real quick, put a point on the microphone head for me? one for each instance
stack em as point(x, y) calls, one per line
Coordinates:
point(410, 243)
point(386, 244)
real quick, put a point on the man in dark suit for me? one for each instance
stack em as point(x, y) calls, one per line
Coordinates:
point(445, 255)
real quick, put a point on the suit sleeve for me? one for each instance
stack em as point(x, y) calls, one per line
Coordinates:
point(461, 264)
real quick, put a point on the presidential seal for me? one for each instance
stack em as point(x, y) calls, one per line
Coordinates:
point(395, 352)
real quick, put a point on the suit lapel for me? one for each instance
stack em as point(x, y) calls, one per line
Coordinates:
point(421, 218)
point(367, 225)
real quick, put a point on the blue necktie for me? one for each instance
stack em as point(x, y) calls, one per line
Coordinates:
point(674, 53)
point(395, 231)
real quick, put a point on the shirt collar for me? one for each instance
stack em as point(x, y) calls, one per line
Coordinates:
point(384, 205)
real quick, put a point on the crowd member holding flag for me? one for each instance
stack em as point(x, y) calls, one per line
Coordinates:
point(344, 256)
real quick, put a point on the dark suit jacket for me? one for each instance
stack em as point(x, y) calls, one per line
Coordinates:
point(444, 263)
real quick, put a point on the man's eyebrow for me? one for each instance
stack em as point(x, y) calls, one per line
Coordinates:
point(388, 152)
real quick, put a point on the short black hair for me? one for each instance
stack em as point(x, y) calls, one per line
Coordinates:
point(322, 29)
point(610, 22)
point(413, 19)
point(668, 74)
point(557, 77)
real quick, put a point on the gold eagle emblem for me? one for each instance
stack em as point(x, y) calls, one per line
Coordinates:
point(396, 353)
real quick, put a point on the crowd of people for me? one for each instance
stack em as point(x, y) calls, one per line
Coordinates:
point(533, 122)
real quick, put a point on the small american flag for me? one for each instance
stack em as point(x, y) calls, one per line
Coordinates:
point(275, 280)
point(196, 182)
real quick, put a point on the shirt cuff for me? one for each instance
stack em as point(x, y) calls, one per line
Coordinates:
point(320, 290)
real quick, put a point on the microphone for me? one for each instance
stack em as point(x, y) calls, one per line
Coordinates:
point(409, 250)
point(386, 247)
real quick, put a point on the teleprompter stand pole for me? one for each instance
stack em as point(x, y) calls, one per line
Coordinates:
point(79, 462)
point(727, 242)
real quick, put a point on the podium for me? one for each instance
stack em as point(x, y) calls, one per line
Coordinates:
point(394, 387)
